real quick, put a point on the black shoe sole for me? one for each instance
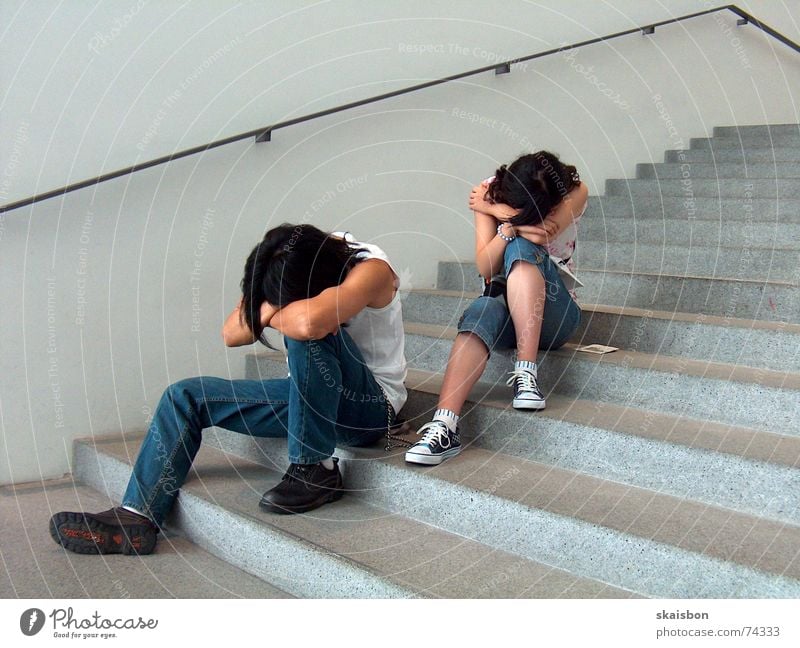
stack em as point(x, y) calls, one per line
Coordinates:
point(302, 508)
point(85, 535)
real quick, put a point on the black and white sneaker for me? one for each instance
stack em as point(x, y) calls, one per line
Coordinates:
point(526, 392)
point(437, 444)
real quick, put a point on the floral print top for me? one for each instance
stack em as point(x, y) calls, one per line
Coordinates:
point(562, 249)
point(562, 252)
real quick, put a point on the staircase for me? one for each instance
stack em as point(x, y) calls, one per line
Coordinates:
point(670, 468)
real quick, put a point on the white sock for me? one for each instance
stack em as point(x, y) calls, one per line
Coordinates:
point(527, 365)
point(328, 463)
point(448, 417)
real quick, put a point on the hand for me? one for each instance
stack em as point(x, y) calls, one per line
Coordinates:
point(266, 313)
point(477, 198)
point(540, 234)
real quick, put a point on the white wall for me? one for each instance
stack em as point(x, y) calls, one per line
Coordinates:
point(111, 293)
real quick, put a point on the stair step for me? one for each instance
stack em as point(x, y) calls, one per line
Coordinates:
point(747, 470)
point(702, 297)
point(664, 210)
point(748, 155)
point(349, 549)
point(776, 131)
point(746, 262)
point(665, 171)
point(634, 538)
point(750, 343)
point(694, 257)
point(724, 393)
point(35, 568)
point(757, 237)
point(751, 188)
point(721, 296)
point(754, 343)
point(746, 140)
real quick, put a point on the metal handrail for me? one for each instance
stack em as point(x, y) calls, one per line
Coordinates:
point(264, 134)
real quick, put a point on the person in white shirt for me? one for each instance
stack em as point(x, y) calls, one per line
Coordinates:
point(336, 301)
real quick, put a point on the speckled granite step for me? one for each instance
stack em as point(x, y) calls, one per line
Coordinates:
point(352, 548)
point(34, 567)
point(775, 188)
point(638, 539)
point(727, 170)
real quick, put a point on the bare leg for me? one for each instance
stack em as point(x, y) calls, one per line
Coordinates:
point(525, 294)
point(467, 361)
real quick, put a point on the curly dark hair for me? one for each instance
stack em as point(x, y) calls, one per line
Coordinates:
point(291, 263)
point(533, 183)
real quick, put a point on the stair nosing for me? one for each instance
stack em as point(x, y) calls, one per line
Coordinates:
point(638, 311)
point(649, 361)
point(536, 472)
point(669, 277)
point(716, 437)
point(394, 579)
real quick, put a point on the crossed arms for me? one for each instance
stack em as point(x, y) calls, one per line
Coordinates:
point(489, 248)
point(370, 283)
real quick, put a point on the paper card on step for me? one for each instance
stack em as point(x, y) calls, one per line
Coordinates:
point(600, 349)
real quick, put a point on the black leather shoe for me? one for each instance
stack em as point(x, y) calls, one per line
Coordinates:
point(117, 530)
point(303, 488)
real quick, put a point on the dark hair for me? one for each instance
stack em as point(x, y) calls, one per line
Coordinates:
point(292, 262)
point(534, 183)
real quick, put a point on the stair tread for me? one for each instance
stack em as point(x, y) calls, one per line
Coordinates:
point(665, 276)
point(713, 531)
point(756, 445)
point(645, 247)
point(380, 542)
point(771, 283)
point(634, 311)
point(654, 362)
point(36, 568)
point(743, 538)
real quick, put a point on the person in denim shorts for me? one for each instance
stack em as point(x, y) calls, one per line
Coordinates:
point(526, 219)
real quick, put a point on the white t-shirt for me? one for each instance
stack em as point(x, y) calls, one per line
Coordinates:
point(379, 333)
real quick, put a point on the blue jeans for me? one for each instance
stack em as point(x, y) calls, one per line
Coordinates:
point(331, 398)
point(490, 319)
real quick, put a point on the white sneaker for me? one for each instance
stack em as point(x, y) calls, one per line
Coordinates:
point(526, 391)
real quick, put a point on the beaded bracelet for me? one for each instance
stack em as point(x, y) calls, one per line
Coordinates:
point(503, 236)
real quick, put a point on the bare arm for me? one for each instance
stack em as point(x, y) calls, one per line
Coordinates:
point(489, 247)
point(370, 283)
point(558, 219)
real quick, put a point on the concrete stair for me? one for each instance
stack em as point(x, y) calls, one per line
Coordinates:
point(707, 187)
point(355, 549)
point(34, 567)
point(666, 170)
point(670, 468)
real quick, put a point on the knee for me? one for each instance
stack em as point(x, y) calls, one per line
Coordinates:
point(521, 249)
point(294, 345)
point(486, 316)
point(300, 348)
point(186, 391)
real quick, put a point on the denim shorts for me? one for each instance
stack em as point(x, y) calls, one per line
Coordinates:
point(490, 320)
